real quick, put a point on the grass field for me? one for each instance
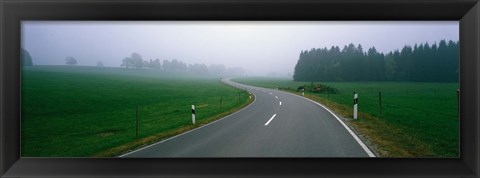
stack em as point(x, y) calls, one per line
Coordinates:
point(91, 111)
point(417, 120)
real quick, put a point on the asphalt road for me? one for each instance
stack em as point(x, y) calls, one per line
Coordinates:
point(276, 124)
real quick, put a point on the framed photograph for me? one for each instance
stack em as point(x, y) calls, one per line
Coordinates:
point(240, 88)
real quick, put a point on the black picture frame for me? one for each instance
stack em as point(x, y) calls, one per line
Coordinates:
point(12, 12)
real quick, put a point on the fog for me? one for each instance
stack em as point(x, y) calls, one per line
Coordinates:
point(259, 47)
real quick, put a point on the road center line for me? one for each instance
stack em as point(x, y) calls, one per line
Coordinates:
point(280, 103)
point(270, 119)
point(276, 97)
point(270, 93)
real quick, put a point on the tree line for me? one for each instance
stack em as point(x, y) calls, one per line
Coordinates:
point(420, 63)
point(136, 61)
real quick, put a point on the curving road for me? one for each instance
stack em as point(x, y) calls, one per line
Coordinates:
point(276, 124)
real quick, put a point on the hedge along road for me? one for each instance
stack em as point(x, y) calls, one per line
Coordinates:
point(276, 124)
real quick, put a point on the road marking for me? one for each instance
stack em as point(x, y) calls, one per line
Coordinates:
point(270, 119)
point(276, 97)
point(269, 93)
point(280, 103)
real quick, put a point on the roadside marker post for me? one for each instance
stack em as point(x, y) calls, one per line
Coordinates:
point(355, 105)
point(193, 114)
point(303, 92)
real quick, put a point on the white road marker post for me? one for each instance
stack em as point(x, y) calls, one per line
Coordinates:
point(355, 105)
point(303, 92)
point(193, 114)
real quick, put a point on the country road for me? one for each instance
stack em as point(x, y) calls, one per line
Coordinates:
point(276, 124)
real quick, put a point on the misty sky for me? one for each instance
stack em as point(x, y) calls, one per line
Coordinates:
point(259, 47)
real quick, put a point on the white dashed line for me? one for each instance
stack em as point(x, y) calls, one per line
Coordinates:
point(270, 119)
point(280, 103)
point(276, 97)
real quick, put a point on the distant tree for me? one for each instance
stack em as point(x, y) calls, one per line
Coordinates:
point(70, 61)
point(26, 58)
point(137, 60)
point(156, 64)
point(99, 64)
point(127, 62)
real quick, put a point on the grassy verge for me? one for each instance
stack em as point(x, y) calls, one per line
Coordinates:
point(417, 119)
point(90, 111)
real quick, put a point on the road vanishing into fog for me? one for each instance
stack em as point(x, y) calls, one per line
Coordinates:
point(276, 124)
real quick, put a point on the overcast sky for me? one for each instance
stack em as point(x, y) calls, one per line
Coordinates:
point(258, 47)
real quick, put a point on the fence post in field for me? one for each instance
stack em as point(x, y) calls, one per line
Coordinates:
point(193, 114)
point(355, 105)
point(136, 123)
point(380, 101)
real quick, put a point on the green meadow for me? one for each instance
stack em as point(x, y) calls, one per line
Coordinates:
point(74, 111)
point(416, 119)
